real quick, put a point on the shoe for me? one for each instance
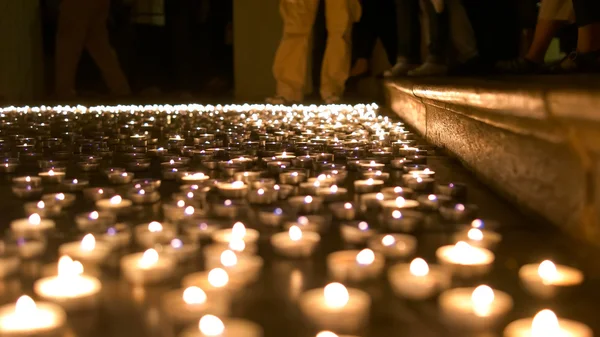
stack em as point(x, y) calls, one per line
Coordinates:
point(332, 100)
point(429, 69)
point(519, 66)
point(401, 68)
point(278, 100)
point(577, 62)
point(472, 67)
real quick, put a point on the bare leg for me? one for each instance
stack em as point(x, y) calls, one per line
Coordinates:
point(545, 30)
point(589, 38)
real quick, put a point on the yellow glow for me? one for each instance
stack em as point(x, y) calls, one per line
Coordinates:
point(218, 278)
point(545, 324)
point(238, 230)
point(475, 234)
point(348, 205)
point(211, 326)
point(336, 295)
point(149, 259)
point(419, 267)
point(116, 200)
point(308, 199)
point(400, 202)
point(194, 295)
point(365, 257)
point(295, 233)
point(547, 272)
point(189, 210)
point(25, 306)
point(34, 219)
point(228, 258)
point(41, 204)
point(94, 215)
point(482, 299)
point(88, 243)
point(333, 189)
point(326, 334)
point(155, 227)
point(237, 245)
point(388, 240)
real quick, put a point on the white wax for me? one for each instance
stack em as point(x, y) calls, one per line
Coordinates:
point(23, 226)
point(406, 284)
point(568, 328)
point(225, 236)
point(106, 205)
point(402, 246)
point(70, 292)
point(233, 328)
point(343, 267)
point(458, 308)
point(181, 312)
point(305, 246)
point(158, 272)
point(74, 250)
point(47, 319)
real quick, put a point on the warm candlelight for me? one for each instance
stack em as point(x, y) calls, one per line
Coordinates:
point(418, 280)
point(465, 259)
point(147, 267)
point(547, 324)
point(86, 250)
point(28, 318)
point(476, 308)
point(295, 243)
point(355, 266)
point(546, 278)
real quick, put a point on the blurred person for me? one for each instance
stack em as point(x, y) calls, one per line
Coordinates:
point(289, 68)
point(82, 24)
point(378, 21)
point(553, 15)
point(586, 57)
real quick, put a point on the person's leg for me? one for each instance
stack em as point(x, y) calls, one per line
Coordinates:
point(409, 37)
point(98, 45)
point(364, 37)
point(73, 23)
point(289, 67)
point(386, 28)
point(587, 14)
point(336, 62)
point(461, 32)
point(439, 26)
point(545, 30)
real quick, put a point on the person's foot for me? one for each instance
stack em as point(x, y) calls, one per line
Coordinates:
point(360, 68)
point(278, 100)
point(401, 68)
point(332, 99)
point(519, 66)
point(472, 67)
point(429, 69)
point(577, 62)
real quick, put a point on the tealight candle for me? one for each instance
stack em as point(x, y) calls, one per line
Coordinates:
point(547, 324)
point(295, 243)
point(95, 193)
point(309, 223)
point(147, 267)
point(546, 278)
point(27, 181)
point(75, 184)
point(120, 178)
point(194, 178)
point(61, 199)
point(336, 307)
point(180, 249)
point(292, 178)
point(147, 235)
point(402, 221)
point(399, 204)
point(94, 221)
point(393, 245)
point(27, 248)
point(34, 225)
point(69, 289)
point(238, 231)
point(52, 176)
point(372, 200)
point(9, 260)
point(418, 280)
point(27, 191)
point(9, 166)
point(465, 259)
point(188, 305)
point(234, 190)
point(42, 208)
point(422, 184)
point(367, 186)
point(215, 281)
point(86, 250)
point(115, 204)
point(457, 212)
point(200, 229)
point(354, 265)
point(242, 269)
point(479, 237)
point(212, 326)
point(474, 308)
point(432, 202)
point(343, 210)
point(262, 196)
point(270, 216)
point(27, 318)
point(332, 193)
point(356, 232)
point(118, 236)
point(306, 203)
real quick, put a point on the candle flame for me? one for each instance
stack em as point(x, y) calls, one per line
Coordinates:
point(379, 196)
point(34, 219)
point(388, 240)
point(237, 245)
point(68, 268)
point(308, 199)
point(218, 278)
point(333, 189)
point(237, 184)
point(295, 233)
point(28, 179)
point(149, 259)
point(545, 324)
point(75, 181)
point(211, 326)
point(396, 214)
point(228, 258)
point(477, 223)
point(88, 243)
point(194, 295)
point(180, 203)
point(41, 204)
point(397, 189)
point(365, 257)
point(547, 272)
point(336, 295)
point(400, 202)
point(189, 210)
point(260, 191)
point(370, 181)
point(60, 196)
point(238, 231)
point(363, 226)
point(51, 173)
point(475, 234)
point(326, 334)
point(348, 205)
point(25, 306)
point(482, 299)
point(432, 197)
point(190, 195)
point(155, 227)
point(116, 200)
point(419, 267)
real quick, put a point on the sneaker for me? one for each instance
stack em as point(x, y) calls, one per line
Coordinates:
point(401, 68)
point(577, 62)
point(429, 69)
point(519, 65)
point(332, 100)
point(277, 100)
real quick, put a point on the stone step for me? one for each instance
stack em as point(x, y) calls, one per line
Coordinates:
point(534, 139)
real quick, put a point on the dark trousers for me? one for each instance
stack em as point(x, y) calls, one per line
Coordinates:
point(409, 31)
point(151, 65)
point(586, 12)
point(378, 21)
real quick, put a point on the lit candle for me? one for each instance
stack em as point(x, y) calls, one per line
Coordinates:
point(97, 193)
point(200, 229)
point(238, 231)
point(547, 324)
point(52, 176)
point(118, 236)
point(86, 250)
point(398, 204)
point(336, 307)
point(61, 199)
point(194, 178)
point(418, 280)
point(479, 237)
point(120, 178)
point(42, 208)
point(94, 221)
point(9, 165)
point(262, 196)
point(147, 235)
point(465, 259)
point(212, 326)
point(188, 305)
point(332, 193)
point(306, 203)
point(474, 308)
point(242, 269)
point(27, 318)
point(27, 248)
point(354, 265)
point(27, 181)
point(233, 190)
point(215, 281)
point(147, 267)
point(75, 184)
point(458, 212)
point(367, 186)
point(180, 249)
point(295, 243)
point(356, 232)
point(34, 225)
point(115, 204)
point(393, 245)
point(69, 288)
point(292, 177)
point(546, 278)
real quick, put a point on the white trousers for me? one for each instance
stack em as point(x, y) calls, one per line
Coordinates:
point(289, 68)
